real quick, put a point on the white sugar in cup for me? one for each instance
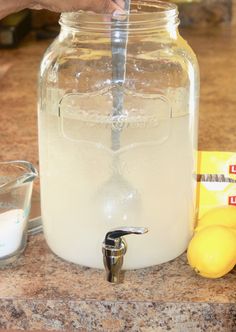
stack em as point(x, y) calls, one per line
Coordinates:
point(12, 227)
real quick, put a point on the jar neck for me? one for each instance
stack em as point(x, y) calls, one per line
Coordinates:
point(145, 18)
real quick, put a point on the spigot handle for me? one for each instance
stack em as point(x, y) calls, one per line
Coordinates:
point(113, 238)
point(114, 249)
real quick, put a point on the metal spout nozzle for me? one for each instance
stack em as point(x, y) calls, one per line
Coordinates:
point(114, 249)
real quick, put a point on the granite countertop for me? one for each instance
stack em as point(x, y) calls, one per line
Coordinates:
point(43, 292)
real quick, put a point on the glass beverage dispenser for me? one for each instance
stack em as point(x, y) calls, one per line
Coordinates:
point(118, 153)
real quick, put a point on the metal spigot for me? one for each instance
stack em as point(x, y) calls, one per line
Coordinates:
point(114, 249)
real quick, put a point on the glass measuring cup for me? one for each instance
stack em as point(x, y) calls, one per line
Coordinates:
point(16, 183)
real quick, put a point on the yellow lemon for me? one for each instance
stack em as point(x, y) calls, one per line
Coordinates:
point(212, 251)
point(233, 230)
point(224, 216)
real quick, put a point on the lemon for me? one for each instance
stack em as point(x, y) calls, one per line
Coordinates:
point(224, 216)
point(212, 251)
point(233, 230)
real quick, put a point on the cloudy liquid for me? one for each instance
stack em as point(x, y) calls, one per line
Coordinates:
point(77, 163)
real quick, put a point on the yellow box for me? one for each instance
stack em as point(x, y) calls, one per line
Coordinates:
point(217, 180)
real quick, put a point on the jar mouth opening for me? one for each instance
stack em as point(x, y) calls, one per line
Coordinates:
point(142, 12)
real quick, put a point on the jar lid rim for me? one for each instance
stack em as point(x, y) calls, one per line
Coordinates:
point(158, 8)
point(144, 13)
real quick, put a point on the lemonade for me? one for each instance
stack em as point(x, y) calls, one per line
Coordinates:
point(156, 158)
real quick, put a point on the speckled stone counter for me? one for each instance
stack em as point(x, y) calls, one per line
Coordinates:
point(43, 292)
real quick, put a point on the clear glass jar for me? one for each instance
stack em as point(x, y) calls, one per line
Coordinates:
point(88, 186)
